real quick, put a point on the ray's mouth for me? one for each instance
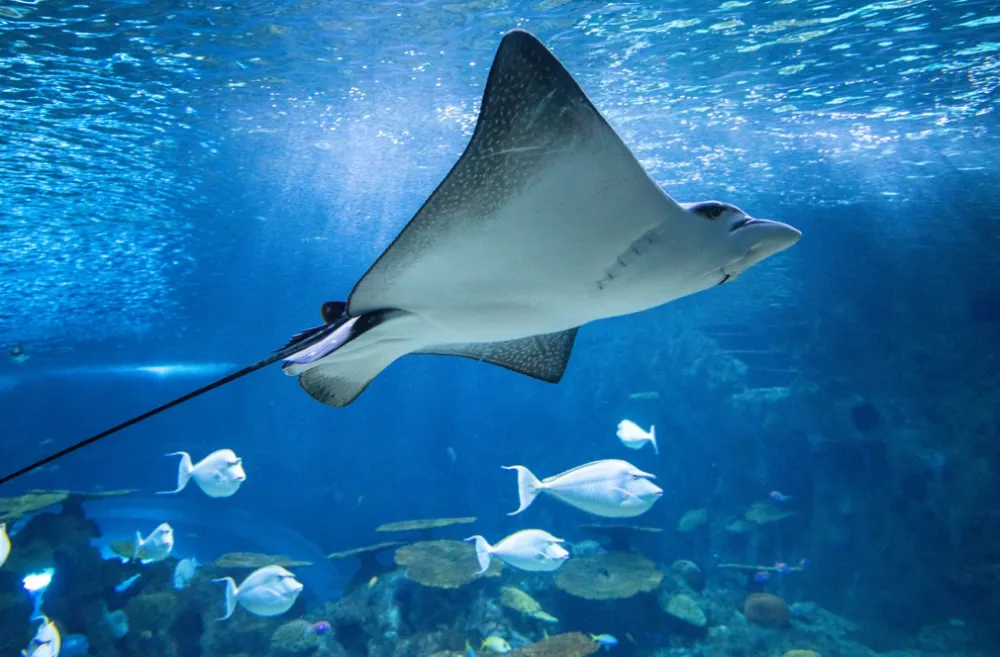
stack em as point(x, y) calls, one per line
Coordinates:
point(745, 221)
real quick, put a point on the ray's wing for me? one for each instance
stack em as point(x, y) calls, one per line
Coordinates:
point(541, 202)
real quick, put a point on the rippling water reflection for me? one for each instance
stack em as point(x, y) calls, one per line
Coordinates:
point(116, 118)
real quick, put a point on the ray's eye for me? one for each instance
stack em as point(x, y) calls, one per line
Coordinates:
point(714, 211)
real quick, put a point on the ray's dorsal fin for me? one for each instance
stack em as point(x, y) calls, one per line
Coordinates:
point(542, 357)
point(532, 113)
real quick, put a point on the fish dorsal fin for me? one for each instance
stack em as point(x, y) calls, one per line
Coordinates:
point(579, 467)
point(534, 120)
point(542, 357)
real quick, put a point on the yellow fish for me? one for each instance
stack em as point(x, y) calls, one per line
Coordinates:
point(4, 544)
point(496, 644)
point(372, 581)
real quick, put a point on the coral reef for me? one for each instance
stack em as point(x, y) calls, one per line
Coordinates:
point(686, 609)
point(766, 610)
point(608, 576)
point(443, 564)
point(572, 644)
point(690, 573)
point(434, 602)
point(424, 527)
point(253, 560)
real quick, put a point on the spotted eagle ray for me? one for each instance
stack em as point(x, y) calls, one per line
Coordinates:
point(547, 222)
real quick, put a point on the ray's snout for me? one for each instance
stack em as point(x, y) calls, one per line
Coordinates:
point(760, 239)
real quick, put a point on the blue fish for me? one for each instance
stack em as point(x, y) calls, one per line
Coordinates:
point(761, 576)
point(124, 586)
point(779, 497)
point(607, 641)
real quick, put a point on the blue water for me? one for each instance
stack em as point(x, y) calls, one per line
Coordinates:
point(187, 183)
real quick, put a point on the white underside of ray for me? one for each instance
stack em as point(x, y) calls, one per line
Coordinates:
point(592, 236)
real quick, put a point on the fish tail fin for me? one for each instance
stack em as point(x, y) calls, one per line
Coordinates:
point(528, 487)
point(231, 592)
point(184, 470)
point(483, 552)
point(652, 439)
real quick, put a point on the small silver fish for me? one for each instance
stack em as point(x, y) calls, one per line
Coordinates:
point(184, 573)
point(156, 546)
point(220, 474)
point(267, 591)
point(528, 549)
point(611, 488)
point(124, 586)
point(634, 437)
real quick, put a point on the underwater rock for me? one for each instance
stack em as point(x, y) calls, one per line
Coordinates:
point(690, 573)
point(609, 576)
point(811, 614)
point(369, 565)
point(15, 615)
point(443, 564)
point(801, 653)
point(686, 609)
point(151, 611)
point(766, 610)
point(292, 639)
point(368, 615)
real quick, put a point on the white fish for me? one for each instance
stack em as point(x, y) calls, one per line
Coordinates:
point(184, 573)
point(634, 437)
point(528, 549)
point(124, 586)
point(611, 488)
point(220, 474)
point(156, 546)
point(47, 641)
point(4, 544)
point(267, 591)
